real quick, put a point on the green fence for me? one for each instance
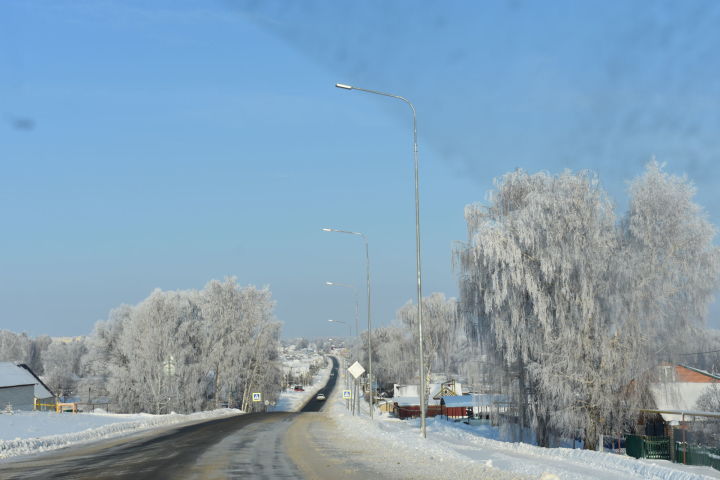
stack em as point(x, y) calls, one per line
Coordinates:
point(697, 455)
point(643, 446)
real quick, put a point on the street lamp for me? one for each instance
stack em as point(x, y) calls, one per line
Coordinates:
point(417, 242)
point(344, 323)
point(369, 322)
point(357, 304)
point(347, 379)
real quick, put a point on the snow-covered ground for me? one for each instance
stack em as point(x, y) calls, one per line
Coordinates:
point(24, 433)
point(31, 432)
point(457, 442)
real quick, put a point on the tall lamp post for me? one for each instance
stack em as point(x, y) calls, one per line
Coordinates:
point(417, 243)
point(344, 323)
point(347, 376)
point(357, 304)
point(369, 322)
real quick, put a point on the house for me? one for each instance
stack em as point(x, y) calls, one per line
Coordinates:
point(406, 400)
point(474, 405)
point(409, 407)
point(677, 388)
point(21, 388)
point(457, 406)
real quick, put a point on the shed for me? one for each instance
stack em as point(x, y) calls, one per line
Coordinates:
point(21, 388)
point(457, 406)
point(409, 407)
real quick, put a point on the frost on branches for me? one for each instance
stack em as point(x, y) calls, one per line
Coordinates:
point(578, 307)
point(186, 351)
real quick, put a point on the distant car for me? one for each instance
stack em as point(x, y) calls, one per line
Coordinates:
point(299, 388)
point(320, 396)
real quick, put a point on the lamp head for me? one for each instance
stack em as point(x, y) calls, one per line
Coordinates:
point(343, 86)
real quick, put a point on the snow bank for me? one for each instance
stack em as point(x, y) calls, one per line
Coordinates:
point(457, 442)
point(26, 433)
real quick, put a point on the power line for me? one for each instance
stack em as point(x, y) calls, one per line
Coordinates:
point(700, 353)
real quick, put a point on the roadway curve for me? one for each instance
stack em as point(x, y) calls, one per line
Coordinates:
point(244, 446)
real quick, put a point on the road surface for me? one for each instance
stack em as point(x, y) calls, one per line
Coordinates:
point(244, 446)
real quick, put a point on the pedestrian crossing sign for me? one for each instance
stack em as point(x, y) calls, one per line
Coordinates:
point(347, 394)
point(257, 397)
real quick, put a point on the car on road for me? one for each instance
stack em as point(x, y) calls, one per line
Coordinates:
point(299, 388)
point(320, 396)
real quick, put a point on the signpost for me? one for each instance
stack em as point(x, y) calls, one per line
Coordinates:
point(356, 370)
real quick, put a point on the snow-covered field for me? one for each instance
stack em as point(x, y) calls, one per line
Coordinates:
point(24, 433)
point(457, 442)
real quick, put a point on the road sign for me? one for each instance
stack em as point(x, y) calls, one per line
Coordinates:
point(356, 369)
point(267, 402)
point(257, 397)
point(347, 394)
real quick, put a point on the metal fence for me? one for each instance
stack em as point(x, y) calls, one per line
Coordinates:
point(643, 446)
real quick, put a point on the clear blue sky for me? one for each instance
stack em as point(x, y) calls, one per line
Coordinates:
point(162, 144)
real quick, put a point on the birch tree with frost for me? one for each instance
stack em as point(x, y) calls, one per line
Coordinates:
point(575, 305)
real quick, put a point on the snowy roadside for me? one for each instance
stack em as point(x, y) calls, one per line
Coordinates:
point(25, 433)
point(291, 401)
point(460, 444)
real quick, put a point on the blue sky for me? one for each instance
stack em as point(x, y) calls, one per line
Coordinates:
point(162, 144)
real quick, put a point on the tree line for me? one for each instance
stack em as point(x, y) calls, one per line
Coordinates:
point(180, 351)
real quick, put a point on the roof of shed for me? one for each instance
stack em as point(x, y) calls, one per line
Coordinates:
point(474, 400)
point(457, 401)
point(413, 401)
point(14, 375)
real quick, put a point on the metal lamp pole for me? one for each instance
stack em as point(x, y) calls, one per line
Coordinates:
point(357, 304)
point(349, 333)
point(369, 341)
point(344, 323)
point(417, 243)
point(357, 328)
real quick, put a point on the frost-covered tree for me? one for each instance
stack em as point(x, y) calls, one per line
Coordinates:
point(394, 355)
point(186, 350)
point(241, 336)
point(62, 365)
point(709, 400)
point(439, 326)
point(13, 346)
point(395, 347)
point(19, 348)
point(668, 266)
point(573, 304)
point(160, 342)
point(105, 363)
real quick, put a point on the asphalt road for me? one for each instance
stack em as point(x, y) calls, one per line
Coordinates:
point(244, 446)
